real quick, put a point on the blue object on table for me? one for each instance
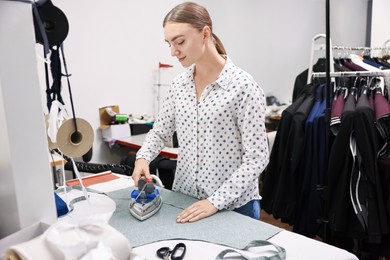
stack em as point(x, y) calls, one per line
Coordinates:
point(61, 206)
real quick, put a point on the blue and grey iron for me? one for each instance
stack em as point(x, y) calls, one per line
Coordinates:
point(145, 201)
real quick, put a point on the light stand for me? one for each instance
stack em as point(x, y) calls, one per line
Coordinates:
point(160, 66)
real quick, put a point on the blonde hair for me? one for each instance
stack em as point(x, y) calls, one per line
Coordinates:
point(198, 17)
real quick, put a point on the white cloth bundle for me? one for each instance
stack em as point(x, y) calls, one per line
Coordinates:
point(91, 238)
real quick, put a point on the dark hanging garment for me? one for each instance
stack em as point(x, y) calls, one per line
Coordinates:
point(382, 62)
point(286, 189)
point(371, 196)
point(382, 116)
point(337, 110)
point(374, 63)
point(384, 171)
point(309, 206)
point(355, 197)
point(382, 249)
point(272, 174)
point(339, 172)
point(301, 80)
point(351, 66)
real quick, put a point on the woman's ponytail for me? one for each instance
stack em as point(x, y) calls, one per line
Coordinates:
point(218, 44)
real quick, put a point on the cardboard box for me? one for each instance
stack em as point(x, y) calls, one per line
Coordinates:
point(105, 118)
point(112, 131)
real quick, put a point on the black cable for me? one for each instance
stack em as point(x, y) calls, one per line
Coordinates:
point(46, 50)
point(67, 75)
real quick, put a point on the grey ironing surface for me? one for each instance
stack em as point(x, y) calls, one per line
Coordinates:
point(225, 228)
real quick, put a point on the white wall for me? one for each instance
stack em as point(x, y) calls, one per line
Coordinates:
point(114, 47)
point(380, 32)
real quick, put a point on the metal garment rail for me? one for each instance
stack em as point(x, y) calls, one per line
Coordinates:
point(384, 73)
point(357, 48)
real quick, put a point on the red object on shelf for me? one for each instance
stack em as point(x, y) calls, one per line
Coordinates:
point(162, 65)
point(93, 179)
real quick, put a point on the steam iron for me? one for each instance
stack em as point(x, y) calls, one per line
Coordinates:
point(145, 201)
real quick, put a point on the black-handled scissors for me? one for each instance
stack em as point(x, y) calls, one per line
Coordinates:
point(177, 253)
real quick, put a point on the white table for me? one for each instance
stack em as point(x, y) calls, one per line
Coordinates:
point(296, 246)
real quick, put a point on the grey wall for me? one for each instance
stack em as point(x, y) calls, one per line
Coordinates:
point(114, 47)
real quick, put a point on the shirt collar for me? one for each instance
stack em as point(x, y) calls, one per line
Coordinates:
point(226, 74)
point(223, 79)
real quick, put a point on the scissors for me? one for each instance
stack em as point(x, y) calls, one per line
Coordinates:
point(177, 253)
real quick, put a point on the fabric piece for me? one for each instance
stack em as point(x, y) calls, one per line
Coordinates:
point(221, 228)
point(74, 240)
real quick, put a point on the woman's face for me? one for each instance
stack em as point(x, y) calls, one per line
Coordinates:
point(187, 43)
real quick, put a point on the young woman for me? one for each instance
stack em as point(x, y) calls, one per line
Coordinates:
point(218, 112)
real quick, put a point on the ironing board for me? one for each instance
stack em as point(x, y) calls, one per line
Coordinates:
point(222, 228)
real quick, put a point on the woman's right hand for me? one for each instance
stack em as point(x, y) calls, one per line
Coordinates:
point(141, 169)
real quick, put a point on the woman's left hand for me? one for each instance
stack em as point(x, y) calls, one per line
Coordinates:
point(197, 211)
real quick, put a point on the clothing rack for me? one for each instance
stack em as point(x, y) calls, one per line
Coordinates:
point(362, 48)
point(357, 48)
point(371, 51)
point(329, 75)
point(384, 73)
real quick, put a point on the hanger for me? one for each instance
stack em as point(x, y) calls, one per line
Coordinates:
point(386, 50)
point(315, 46)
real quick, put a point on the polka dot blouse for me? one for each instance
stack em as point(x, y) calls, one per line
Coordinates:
point(223, 143)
